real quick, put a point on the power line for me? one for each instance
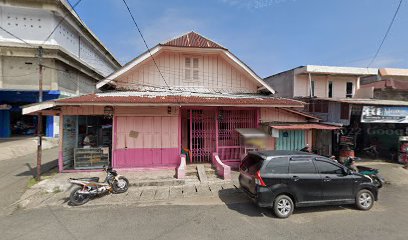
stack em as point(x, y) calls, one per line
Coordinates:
point(60, 22)
point(148, 49)
point(15, 36)
point(386, 34)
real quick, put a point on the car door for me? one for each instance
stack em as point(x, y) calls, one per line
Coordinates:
point(304, 180)
point(250, 165)
point(336, 185)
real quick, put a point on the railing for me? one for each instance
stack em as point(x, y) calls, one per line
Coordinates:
point(223, 170)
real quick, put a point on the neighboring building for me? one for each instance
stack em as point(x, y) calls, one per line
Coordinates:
point(319, 81)
point(390, 84)
point(194, 104)
point(74, 60)
point(352, 98)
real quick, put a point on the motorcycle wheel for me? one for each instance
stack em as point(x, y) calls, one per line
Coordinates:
point(121, 185)
point(77, 199)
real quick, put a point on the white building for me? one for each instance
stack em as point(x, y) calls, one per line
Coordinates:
point(74, 59)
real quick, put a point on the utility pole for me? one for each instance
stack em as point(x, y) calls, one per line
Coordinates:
point(39, 115)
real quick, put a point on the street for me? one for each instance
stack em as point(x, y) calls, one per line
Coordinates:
point(15, 174)
point(238, 219)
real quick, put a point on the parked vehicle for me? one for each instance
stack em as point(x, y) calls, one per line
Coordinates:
point(91, 187)
point(373, 173)
point(283, 180)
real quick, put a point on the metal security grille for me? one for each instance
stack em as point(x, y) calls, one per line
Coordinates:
point(228, 138)
point(202, 135)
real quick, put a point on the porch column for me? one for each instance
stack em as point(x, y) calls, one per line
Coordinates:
point(216, 130)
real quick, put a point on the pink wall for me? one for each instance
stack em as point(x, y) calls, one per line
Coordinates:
point(146, 141)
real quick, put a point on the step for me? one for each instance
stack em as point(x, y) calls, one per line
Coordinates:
point(156, 182)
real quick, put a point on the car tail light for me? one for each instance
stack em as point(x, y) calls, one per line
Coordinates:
point(259, 180)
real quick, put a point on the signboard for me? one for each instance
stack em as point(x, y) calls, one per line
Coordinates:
point(378, 114)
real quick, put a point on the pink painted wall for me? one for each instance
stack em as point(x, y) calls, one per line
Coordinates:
point(214, 72)
point(146, 141)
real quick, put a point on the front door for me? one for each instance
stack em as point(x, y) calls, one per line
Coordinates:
point(202, 135)
point(304, 180)
point(335, 185)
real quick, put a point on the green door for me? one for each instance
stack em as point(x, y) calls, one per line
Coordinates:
point(291, 140)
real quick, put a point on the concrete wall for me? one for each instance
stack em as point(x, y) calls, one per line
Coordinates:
point(391, 94)
point(302, 85)
point(282, 83)
point(33, 22)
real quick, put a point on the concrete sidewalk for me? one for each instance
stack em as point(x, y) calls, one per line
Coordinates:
point(20, 146)
point(146, 188)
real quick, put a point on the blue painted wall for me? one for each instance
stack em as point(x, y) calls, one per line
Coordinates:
point(18, 98)
point(5, 130)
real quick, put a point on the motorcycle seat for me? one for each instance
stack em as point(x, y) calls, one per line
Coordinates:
point(89, 179)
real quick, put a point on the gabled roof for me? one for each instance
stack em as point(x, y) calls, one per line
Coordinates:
point(192, 39)
point(188, 40)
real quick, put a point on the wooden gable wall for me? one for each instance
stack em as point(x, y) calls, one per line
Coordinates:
point(214, 74)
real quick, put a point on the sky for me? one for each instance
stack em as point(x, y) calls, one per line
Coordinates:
point(270, 36)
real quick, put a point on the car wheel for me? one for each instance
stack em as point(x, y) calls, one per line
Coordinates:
point(283, 206)
point(364, 200)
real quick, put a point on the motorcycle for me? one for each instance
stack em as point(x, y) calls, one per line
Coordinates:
point(372, 173)
point(91, 187)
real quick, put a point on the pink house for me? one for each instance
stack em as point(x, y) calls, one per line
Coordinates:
point(187, 95)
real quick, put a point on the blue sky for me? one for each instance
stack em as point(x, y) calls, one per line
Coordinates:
point(269, 35)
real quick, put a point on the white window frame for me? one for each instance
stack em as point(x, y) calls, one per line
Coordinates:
point(192, 72)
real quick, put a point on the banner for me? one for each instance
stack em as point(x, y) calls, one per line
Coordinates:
point(379, 114)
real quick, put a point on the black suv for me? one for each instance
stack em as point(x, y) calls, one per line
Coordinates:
point(284, 180)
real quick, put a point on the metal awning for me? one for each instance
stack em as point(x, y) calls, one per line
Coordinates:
point(303, 126)
point(251, 132)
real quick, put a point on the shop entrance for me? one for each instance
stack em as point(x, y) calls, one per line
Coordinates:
point(210, 130)
point(87, 142)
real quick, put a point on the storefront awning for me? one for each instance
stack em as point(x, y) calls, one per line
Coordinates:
point(251, 132)
point(303, 126)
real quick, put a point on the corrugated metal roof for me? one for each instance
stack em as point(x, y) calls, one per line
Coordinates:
point(119, 97)
point(303, 126)
point(192, 39)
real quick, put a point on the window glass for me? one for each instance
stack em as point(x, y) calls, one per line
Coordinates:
point(330, 89)
point(349, 90)
point(251, 163)
point(278, 165)
point(304, 166)
point(328, 168)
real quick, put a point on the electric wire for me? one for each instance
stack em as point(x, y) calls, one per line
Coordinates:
point(386, 34)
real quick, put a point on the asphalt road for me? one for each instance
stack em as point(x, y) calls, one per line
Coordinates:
point(387, 220)
point(15, 174)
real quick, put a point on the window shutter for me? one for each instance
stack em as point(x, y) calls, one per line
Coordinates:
point(195, 62)
point(187, 62)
